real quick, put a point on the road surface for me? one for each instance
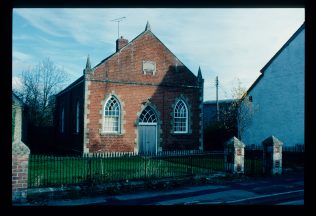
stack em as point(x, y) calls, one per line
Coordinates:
point(281, 190)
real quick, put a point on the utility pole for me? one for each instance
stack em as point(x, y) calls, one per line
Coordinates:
point(217, 106)
point(118, 20)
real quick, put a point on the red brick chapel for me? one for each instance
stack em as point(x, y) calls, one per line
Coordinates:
point(141, 98)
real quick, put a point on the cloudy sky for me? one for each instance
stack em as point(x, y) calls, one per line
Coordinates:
point(229, 43)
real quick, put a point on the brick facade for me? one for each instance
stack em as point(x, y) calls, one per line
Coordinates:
point(19, 174)
point(125, 76)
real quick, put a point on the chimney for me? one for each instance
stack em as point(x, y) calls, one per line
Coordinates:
point(120, 43)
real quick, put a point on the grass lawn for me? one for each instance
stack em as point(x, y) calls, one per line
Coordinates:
point(50, 170)
point(253, 167)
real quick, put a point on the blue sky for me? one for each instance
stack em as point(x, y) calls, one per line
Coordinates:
point(229, 43)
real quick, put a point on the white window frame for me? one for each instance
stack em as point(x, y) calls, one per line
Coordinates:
point(118, 116)
point(77, 116)
point(152, 71)
point(147, 122)
point(186, 118)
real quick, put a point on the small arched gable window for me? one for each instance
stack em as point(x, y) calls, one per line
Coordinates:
point(180, 117)
point(62, 128)
point(112, 116)
point(77, 116)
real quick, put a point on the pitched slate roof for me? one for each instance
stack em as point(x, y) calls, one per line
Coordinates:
point(219, 101)
point(275, 56)
point(75, 83)
point(283, 47)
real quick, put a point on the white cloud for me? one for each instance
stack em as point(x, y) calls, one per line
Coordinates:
point(16, 83)
point(229, 43)
point(21, 37)
point(21, 61)
point(20, 56)
point(72, 71)
point(42, 19)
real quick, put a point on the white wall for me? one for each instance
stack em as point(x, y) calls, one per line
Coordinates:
point(279, 96)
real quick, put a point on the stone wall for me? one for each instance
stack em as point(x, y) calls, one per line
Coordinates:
point(20, 156)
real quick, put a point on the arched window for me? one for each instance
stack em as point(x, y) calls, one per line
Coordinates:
point(180, 117)
point(112, 116)
point(77, 116)
point(148, 116)
point(62, 128)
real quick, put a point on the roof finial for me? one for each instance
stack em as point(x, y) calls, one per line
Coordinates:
point(88, 64)
point(147, 26)
point(199, 73)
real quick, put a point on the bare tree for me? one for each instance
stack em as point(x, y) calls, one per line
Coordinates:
point(39, 85)
point(239, 114)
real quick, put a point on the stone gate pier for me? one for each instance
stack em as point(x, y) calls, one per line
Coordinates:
point(20, 154)
point(234, 156)
point(272, 156)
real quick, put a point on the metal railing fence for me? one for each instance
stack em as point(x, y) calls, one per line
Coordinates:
point(54, 170)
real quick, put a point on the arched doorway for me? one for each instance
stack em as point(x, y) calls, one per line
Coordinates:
point(147, 131)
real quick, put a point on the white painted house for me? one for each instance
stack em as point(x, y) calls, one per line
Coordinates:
point(278, 96)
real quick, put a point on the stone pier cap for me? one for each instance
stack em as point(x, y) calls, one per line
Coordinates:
point(235, 143)
point(272, 141)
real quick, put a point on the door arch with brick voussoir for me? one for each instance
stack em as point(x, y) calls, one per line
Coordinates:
point(147, 131)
